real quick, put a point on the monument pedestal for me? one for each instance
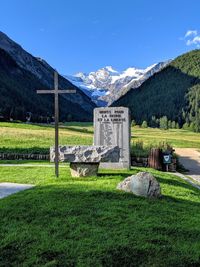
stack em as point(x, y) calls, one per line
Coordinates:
point(84, 169)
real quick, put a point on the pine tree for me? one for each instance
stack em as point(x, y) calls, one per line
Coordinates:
point(177, 125)
point(173, 125)
point(154, 123)
point(164, 123)
point(169, 124)
point(144, 124)
point(186, 126)
point(133, 123)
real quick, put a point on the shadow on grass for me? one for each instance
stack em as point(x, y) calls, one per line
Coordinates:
point(177, 183)
point(82, 226)
point(24, 125)
point(79, 130)
point(113, 175)
point(80, 124)
point(77, 191)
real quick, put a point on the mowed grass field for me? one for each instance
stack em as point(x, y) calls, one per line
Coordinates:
point(88, 222)
point(25, 138)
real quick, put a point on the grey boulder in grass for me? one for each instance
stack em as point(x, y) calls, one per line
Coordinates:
point(142, 184)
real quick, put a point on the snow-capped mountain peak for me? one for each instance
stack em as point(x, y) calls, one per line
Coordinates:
point(133, 72)
point(110, 69)
point(152, 66)
point(106, 85)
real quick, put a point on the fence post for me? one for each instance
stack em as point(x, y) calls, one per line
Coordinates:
point(155, 159)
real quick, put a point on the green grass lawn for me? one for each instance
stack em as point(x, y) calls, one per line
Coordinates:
point(25, 138)
point(87, 222)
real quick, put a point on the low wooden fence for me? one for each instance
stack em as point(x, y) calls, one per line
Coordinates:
point(144, 162)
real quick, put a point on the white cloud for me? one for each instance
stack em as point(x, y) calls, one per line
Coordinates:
point(193, 41)
point(192, 37)
point(196, 39)
point(191, 33)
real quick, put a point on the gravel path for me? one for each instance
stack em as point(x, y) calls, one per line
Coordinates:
point(190, 159)
point(7, 189)
point(182, 176)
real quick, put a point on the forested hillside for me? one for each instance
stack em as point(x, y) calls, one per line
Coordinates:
point(21, 74)
point(174, 92)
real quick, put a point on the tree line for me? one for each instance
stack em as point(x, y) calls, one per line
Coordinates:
point(162, 123)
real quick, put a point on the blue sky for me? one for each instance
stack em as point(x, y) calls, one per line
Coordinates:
point(84, 35)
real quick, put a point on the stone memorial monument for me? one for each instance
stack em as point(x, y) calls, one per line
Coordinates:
point(112, 128)
point(84, 160)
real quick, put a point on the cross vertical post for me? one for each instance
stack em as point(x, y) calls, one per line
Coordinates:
point(56, 93)
point(56, 124)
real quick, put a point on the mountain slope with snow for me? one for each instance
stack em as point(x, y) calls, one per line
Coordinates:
point(106, 85)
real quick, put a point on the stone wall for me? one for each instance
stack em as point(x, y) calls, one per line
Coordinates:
point(16, 156)
point(139, 161)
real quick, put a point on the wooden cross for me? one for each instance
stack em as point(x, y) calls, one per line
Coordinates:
point(56, 92)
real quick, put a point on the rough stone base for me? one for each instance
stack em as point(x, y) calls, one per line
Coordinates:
point(115, 165)
point(84, 169)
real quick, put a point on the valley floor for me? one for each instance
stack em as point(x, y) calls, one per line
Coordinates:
point(26, 138)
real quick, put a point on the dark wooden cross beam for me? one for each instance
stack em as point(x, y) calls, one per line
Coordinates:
point(56, 92)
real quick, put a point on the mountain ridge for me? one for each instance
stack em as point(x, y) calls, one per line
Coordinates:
point(26, 66)
point(106, 85)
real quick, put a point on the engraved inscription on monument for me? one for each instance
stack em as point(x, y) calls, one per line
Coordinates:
point(112, 127)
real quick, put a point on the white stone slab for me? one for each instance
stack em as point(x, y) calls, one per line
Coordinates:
point(86, 154)
point(7, 189)
point(112, 128)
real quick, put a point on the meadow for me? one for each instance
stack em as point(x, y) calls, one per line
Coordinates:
point(26, 138)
